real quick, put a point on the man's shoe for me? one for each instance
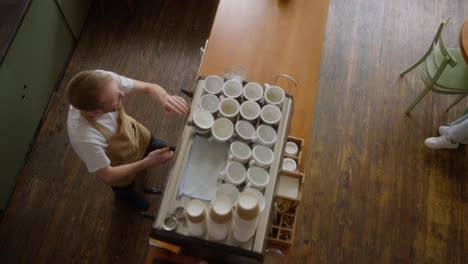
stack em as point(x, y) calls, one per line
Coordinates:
point(139, 203)
point(443, 130)
point(440, 143)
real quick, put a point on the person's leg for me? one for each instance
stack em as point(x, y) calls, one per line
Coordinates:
point(128, 194)
point(451, 136)
point(458, 132)
point(459, 120)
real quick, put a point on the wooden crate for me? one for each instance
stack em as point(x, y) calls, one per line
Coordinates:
point(300, 144)
point(298, 175)
point(284, 231)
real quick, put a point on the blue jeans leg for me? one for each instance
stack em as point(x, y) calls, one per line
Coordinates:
point(458, 131)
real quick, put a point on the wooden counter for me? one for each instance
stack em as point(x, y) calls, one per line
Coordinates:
point(270, 37)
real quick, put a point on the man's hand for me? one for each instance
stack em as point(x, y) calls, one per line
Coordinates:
point(159, 156)
point(177, 104)
point(124, 174)
point(171, 103)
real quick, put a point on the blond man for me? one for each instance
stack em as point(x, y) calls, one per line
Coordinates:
point(112, 144)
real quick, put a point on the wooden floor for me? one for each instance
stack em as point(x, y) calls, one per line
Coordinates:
point(373, 194)
point(60, 213)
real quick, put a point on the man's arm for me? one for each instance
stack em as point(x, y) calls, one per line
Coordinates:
point(111, 175)
point(171, 103)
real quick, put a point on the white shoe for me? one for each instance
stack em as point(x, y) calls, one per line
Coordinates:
point(443, 130)
point(440, 143)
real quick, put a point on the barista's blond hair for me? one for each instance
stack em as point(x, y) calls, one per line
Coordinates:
point(86, 88)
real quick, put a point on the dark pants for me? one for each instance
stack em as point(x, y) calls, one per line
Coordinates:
point(128, 192)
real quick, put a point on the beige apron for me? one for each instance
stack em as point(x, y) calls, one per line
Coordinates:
point(129, 143)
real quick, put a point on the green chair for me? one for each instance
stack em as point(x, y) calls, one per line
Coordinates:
point(439, 78)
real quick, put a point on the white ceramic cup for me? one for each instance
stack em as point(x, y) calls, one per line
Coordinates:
point(202, 121)
point(265, 135)
point(259, 195)
point(250, 111)
point(245, 130)
point(257, 178)
point(291, 148)
point(229, 190)
point(289, 164)
point(270, 114)
point(232, 89)
point(274, 95)
point(213, 84)
point(253, 92)
point(262, 156)
point(210, 103)
point(239, 151)
point(229, 108)
point(234, 173)
point(222, 130)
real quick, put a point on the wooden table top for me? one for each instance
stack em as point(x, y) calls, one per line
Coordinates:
point(270, 38)
point(464, 40)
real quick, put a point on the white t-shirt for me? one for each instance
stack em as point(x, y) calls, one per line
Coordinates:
point(88, 142)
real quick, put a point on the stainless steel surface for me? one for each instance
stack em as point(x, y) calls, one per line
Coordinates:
point(171, 199)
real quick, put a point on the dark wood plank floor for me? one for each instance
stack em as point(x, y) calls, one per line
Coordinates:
point(374, 193)
point(59, 212)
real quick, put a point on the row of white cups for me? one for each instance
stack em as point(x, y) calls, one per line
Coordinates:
point(249, 123)
point(228, 109)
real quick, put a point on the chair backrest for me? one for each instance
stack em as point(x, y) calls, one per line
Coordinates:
point(438, 49)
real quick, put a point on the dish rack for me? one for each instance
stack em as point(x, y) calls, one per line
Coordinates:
point(228, 251)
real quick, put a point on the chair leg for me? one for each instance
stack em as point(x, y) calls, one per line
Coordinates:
point(419, 98)
point(410, 68)
point(459, 98)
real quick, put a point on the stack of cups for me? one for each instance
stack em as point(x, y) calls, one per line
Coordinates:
point(196, 217)
point(220, 218)
point(245, 217)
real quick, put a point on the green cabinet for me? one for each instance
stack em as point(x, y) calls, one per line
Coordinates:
point(28, 76)
point(75, 13)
